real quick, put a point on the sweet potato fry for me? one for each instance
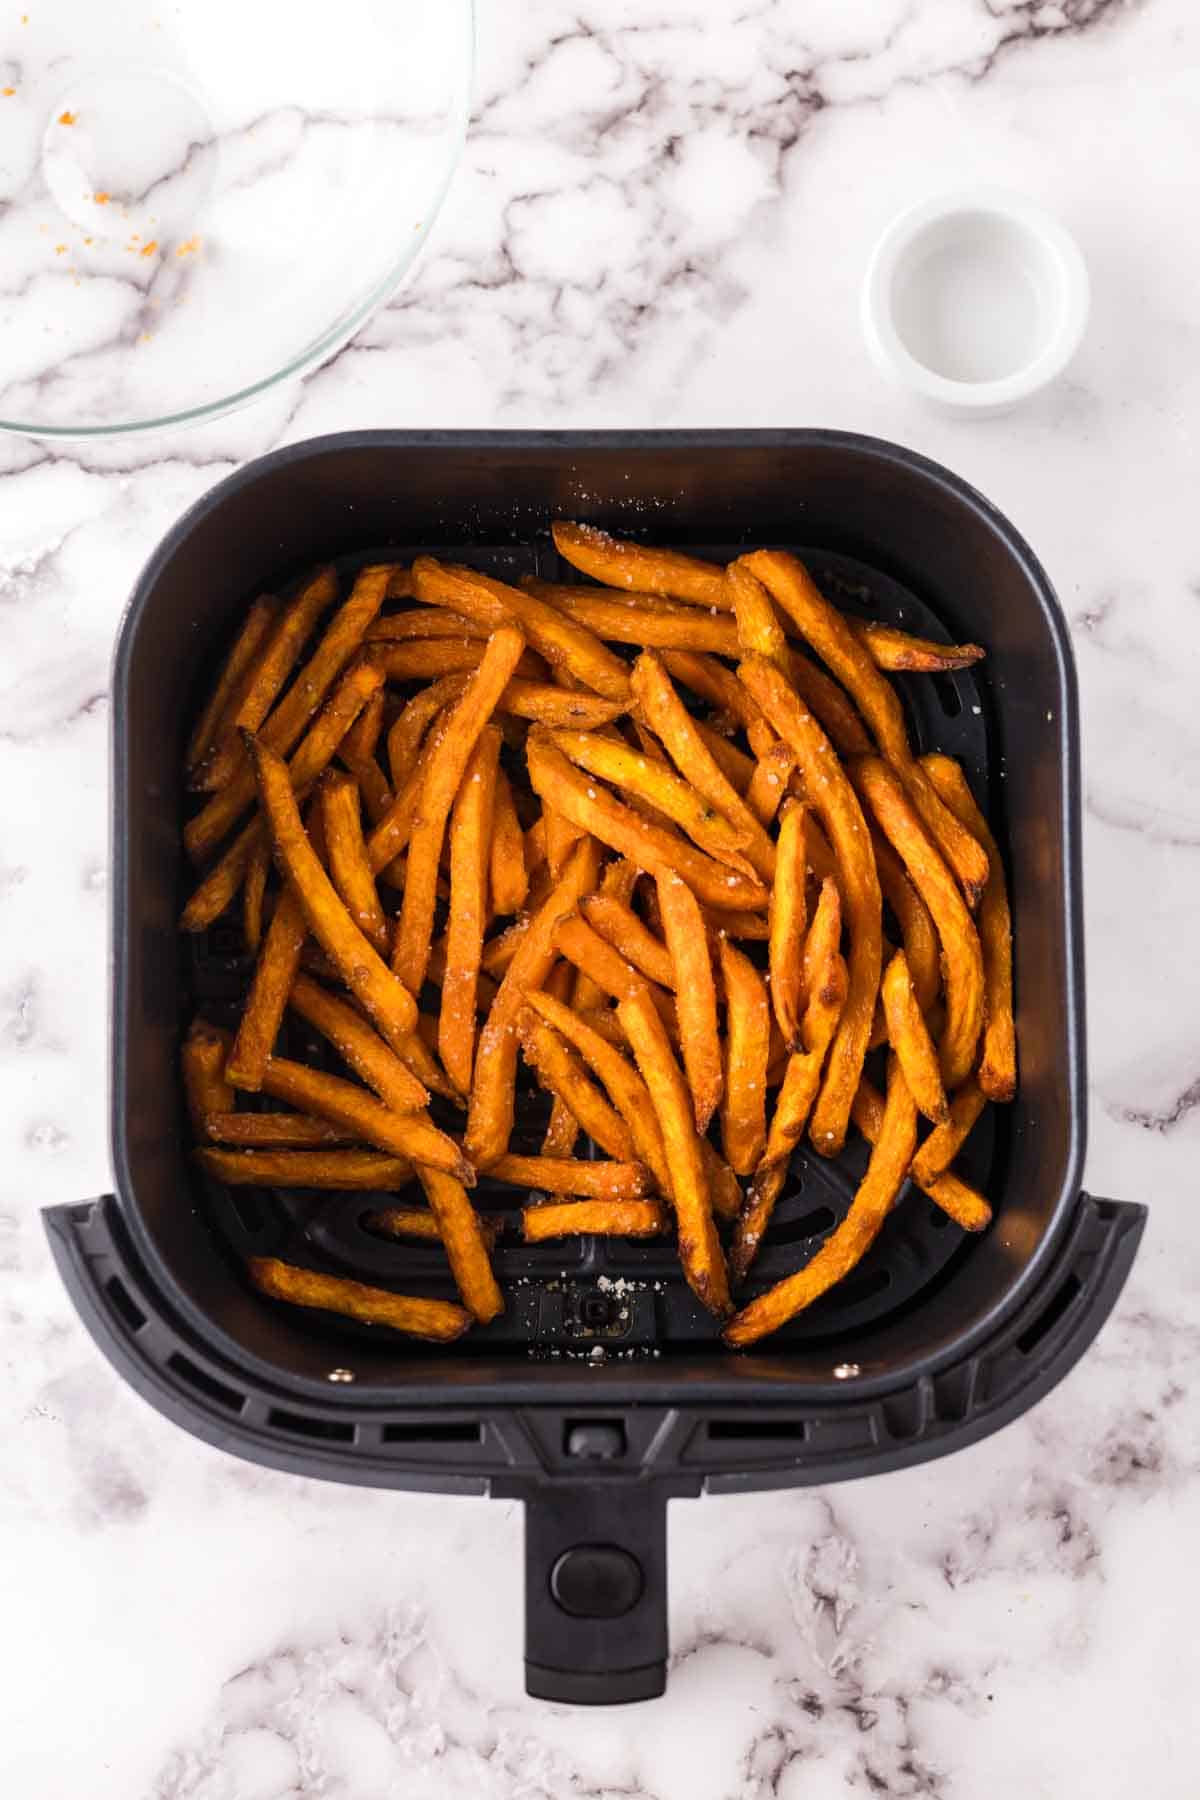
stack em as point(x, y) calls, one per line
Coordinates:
point(599, 1218)
point(236, 673)
point(643, 619)
point(346, 856)
point(411, 1135)
point(425, 622)
point(964, 1204)
point(274, 974)
point(389, 1003)
point(752, 927)
point(998, 1063)
point(621, 564)
point(943, 1145)
point(560, 836)
point(410, 957)
point(254, 888)
point(490, 1116)
point(439, 1321)
point(769, 783)
point(562, 642)
point(913, 917)
point(642, 777)
point(790, 585)
point(705, 676)
point(292, 626)
point(560, 1069)
point(909, 1037)
point(853, 1237)
point(466, 1244)
point(344, 1169)
point(836, 806)
point(359, 1047)
point(427, 658)
point(547, 703)
point(408, 729)
point(204, 1081)
point(667, 716)
point(699, 1248)
point(962, 955)
point(758, 632)
point(609, 1181)
point(747, 1041)
point(650, 846)
point(419, 1060)
point(470, 837)
point(394, 830)
point(339, 642)
point(272, 1131)
point(787, 917)
point(695, 995)
point(356, 752)
point(900, 651)
point(620, 926)
point(419, 1223)
point(507, 873)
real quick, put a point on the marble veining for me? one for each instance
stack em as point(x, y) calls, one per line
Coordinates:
point(661, 219)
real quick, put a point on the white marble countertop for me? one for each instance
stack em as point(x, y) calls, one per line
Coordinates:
point(663, 222)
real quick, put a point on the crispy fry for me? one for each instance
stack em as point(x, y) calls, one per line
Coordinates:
point(204, 1080)
point(964, 1204)
point(346, 854)
point(563, 643)
point(639, 568)
point(395, 829)
point(345, 1169)
point(419, 1060)
point(254, 887)
point(753, 927)
point(425, 622)
point(426, 658)
point(292, 626)
point(409, 728)
point(389, 1003)
point(547, 703)
point(609, 1181)
point(747, 1042)
point(759, 632)
point(466, 1244)
point(626, 1089)
point(650, 846)
point(412, 1135)
point(620, 926)
point(236, 674)
point(899, 650)
point(787, 917)
point(490, 1116)
point(943, 1145)
point(714, 683)
point(909, 1037)
point(853, 1237)
point(769, 783)
point(723, 1185)
point(998, 1063)
point(440, 1321)
point(599, 1218)
point(560, 1069)
point(643, 619)
point(507, 874)
point(418, 1222)
point(410, 958)
point(220, 885)
point(695, 995)
point(272, 1131)
point(667, 716)
point(836, 805)
point(359, 1047)
point(610, 971)
point(357, 753)
point(644, 778)
point(913, 917)
point(962, 955)
point(699, 1248)
point(789, 583)
point(274, 973)
point(470, 836)
point(560, 837)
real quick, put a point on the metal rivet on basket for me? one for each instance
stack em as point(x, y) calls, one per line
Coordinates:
point(846, 1371)
point(597, 1353)
point(341, 1375)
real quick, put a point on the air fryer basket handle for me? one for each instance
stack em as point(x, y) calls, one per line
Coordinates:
point(596, 1591)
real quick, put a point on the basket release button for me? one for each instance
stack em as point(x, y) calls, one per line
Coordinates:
point(596, 1581)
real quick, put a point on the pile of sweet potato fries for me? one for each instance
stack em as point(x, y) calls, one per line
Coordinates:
point(694, 885)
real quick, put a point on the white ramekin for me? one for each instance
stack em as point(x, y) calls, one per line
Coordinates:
point(975, 300)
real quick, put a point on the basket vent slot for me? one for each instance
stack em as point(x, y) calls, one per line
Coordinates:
point(443, 1431)
point(750, 1430)
point(205, 1383)
point(306, 1425)
point(1048, 1318)
point(124, 1303)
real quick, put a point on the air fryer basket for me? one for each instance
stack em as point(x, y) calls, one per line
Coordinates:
point(602, 1391)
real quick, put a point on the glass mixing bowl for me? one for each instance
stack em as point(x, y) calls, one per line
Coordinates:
point(199, 199)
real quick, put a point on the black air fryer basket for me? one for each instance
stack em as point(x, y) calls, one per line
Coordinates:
point(603, 1392)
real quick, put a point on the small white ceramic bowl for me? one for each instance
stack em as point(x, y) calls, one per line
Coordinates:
point(975, 300)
